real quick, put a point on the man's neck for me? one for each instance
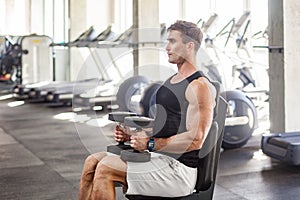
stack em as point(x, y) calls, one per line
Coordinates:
point(186, 69)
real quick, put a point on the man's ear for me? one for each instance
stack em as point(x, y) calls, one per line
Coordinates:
point(191, 45)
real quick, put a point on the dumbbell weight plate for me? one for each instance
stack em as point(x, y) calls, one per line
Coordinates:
point(131, 87)
point(138, 122)
point(116, 149)
point(119, 116)
point(148, 101)
point(135, 156)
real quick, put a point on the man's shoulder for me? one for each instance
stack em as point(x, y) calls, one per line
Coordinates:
point(200, 85)
point(200, 82)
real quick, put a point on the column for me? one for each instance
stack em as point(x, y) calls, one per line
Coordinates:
point(284, 72)
point(291, 64)
point(146, 18)
point(276, 66)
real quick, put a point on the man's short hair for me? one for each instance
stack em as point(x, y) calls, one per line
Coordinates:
point(189, 32)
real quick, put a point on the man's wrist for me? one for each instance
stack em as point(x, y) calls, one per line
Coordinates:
point(151, 144)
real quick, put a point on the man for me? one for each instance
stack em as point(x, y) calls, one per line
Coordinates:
point(184, 115)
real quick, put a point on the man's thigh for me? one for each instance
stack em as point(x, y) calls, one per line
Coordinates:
point(162, 176)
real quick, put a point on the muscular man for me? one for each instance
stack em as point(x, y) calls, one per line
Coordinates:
point(184, 115)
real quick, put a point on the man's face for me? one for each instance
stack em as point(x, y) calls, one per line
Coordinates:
point(176, 49)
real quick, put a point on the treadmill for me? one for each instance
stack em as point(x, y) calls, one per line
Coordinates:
point(85, 36)
point(101, 97)
point(22, 90)
point(63, 94)
point(284, 147)
point(38, 92)
point(104, 100)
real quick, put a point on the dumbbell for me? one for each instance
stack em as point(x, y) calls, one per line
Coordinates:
point(119, 118)
point(138, 123)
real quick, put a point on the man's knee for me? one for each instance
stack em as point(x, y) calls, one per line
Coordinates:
point(111, 168)
point(90, 165)
point(92, 160)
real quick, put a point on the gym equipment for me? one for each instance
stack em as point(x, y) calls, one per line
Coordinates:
point(86, 36)
point(284, 147)
point(104, 101)
point(126, 98)
point(5, 45)
point(207, 169)
point(38, 87)
point(138, 123)
point(119, 117)
point(104, 35)
point(208, 24)
point(242, 113)
point(61, 93)
point(64, 95)
point(241, 119)
point(148, 100)
point(11, 63)
point(40, 92)
point(130, 92)
point(33, 68)
point(212, 73)
point(236, 27)
point(22, 90)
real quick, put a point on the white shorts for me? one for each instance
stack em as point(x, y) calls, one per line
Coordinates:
point(162, 176)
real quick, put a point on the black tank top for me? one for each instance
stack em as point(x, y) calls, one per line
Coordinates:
point(171, 110)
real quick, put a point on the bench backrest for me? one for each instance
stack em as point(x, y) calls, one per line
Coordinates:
point(210, 151)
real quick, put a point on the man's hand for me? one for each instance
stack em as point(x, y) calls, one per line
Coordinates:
point(139, 141)
point(120, 135)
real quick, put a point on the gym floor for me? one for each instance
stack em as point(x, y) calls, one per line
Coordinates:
point(42, 151)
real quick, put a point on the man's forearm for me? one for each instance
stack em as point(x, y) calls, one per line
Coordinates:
point(179, 143)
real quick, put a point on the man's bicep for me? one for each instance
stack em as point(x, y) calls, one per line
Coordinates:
point(199, 119)
point(201, 103)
